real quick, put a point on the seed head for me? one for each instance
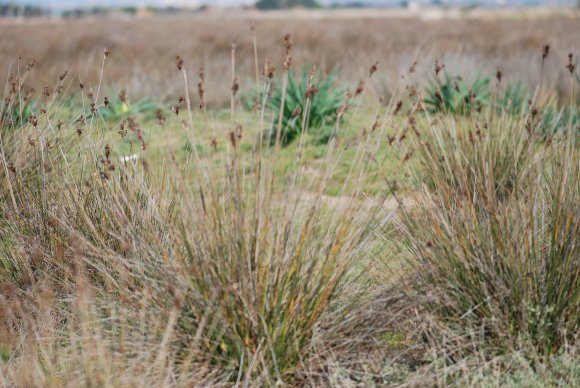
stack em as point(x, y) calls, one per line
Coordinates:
point(359, 88)
point(413, 67)
point(269, 70)
point(160, 117)
point(545, 51)
point(376, 123)
point(438, 67)
point(81, 85)
point(438, 96)
point(107, 102)
point(373, 68)
point(296, 111)
point(122, 130)
point(398, 107)
point(63, 76)
point(179, 62)
point(201, 88)
point(107, 52)
point(33, 120)
point(123, 96)
point(498, 75)
point(235, 85)
point(288, 45)
point(30, 65)
point(311, 91)
point(571, 65)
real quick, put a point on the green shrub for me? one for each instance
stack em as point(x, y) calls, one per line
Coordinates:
point(557, 122)
point(456, 95)
point(514, 99)
point(322, 111)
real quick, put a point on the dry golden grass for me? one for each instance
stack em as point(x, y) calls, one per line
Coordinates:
point(226, 260)
point(145, 48)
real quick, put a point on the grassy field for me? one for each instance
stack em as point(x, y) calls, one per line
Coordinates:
point(291, 199)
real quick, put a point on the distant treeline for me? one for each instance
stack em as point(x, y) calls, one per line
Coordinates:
point(18, 10)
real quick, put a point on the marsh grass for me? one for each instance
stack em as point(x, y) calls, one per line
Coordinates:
point(494, 235)
point(121, 271)
point(189, 250)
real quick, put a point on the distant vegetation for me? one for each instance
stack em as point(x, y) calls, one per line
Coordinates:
point(19, 10)
point(282, 4)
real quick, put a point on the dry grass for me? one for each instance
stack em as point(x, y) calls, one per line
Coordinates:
point(145, 48)
point(225, 261)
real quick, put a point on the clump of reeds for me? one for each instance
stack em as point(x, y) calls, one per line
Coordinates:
point(494, 235)
point(194, 275)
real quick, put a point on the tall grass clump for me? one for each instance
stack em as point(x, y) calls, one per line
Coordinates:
point(494, 235)
point(171, 269)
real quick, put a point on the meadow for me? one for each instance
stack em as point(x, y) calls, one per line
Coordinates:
point(291, 199)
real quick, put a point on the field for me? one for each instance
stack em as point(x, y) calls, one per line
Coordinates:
point(301, 198)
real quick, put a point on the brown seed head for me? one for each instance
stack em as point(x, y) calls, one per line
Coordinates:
point(373, 68)
point(33, 120)
point(269, 70)
point(235, 85)
point(288, 45)
point(398, 107)
point(545, 51)
point(123, 96)
point(296, 112)
point(160, 117)
point(107, 52)
point(498, 75)
point(359, 88)
point(179, 62)
point(571, 65)
point(30, 65)
point(438, 67)
point(311, 91)
point(63, 76)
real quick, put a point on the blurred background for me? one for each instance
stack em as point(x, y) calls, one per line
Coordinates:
point(473, 38)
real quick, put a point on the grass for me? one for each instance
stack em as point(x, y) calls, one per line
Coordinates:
point(171, 244)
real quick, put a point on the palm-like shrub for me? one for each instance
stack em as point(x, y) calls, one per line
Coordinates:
point(455, 95)
point(321, 114)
